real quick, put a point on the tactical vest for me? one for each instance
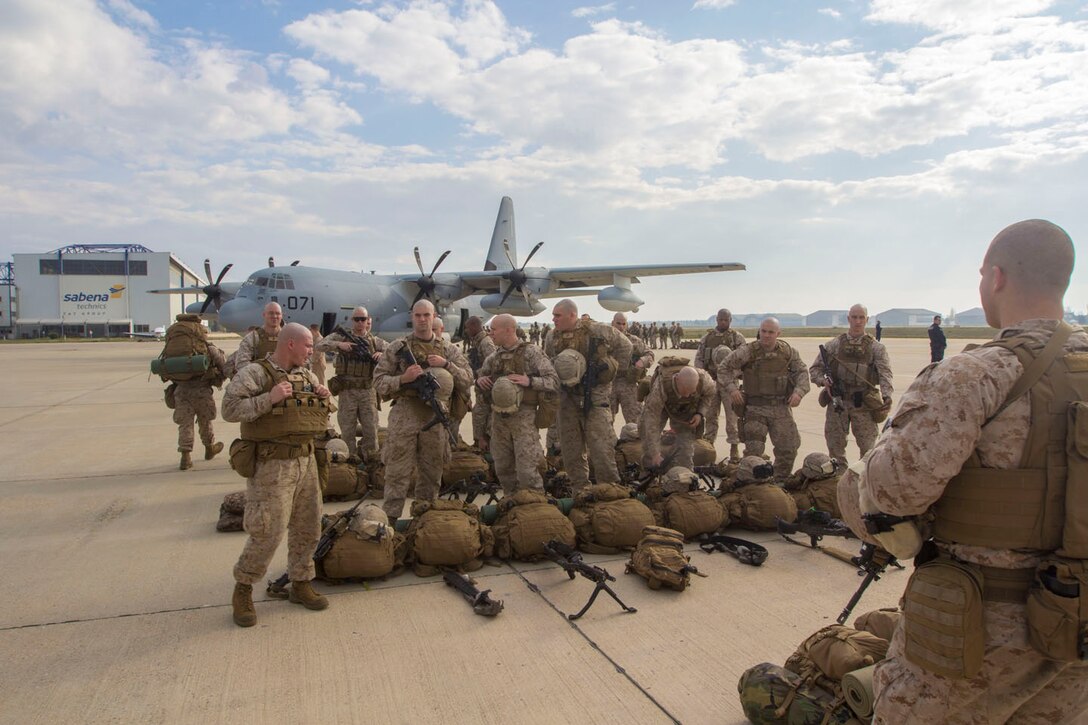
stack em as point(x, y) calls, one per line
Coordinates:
point(420, 350)
point(475, 358)
point(767, 375)
point(266, 344)
point(578, 339)
point(294, 420)
point(513, 362)
point(350, 365)
point(1030, 507)
point(853, 365)
point(678, 407)
point(715, 339)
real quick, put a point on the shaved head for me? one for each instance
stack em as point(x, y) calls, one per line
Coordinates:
point(294, 346)
point(565, 315)
point(503, 322)
point(1035, 255)
point(273, 317)
point(504, 330)
point(473, 325)
point(619, 317)
point(686, 381)
point(423, 305)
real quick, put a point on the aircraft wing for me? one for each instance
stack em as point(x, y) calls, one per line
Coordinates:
point(578, 277)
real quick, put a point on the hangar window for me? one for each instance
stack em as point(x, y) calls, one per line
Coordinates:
point(97, 267)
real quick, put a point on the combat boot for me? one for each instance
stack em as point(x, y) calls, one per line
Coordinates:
point(186, 461)
point(212, 451)
point(734, 453)
point(303, 593)
point(242, 601)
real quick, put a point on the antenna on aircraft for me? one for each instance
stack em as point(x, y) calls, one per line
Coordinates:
point(295, 263)
point(426, 281)
point(271, 261)
point(516, 276)
point(213, 293)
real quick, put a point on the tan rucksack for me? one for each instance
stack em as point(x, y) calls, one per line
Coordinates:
point(836, 650)
point(659, 559)
point(757, 506)
point(527, 521)
point(879, 622)
point(366, 549)
point(186, 338)
point(606, 519)
point(629, 453)
point(704, 454)
point(446, 533)
point(344, 482)
point(691, 513)
point(462, 466)
point(821, 495)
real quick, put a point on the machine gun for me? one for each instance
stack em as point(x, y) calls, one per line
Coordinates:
point(360, 348)
point(590, 378)
point(571, 561)
point(426, 386)
point(481, 603)
point(872, 562)
point(833, 385)
point(747, 552)
point(278, 589)
point(472, 487)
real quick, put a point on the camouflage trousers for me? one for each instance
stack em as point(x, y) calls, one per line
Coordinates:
point(836, 426)
point(515, 446)
point(284, 494)
point(625, 396)
point(412, 453)
point(594, 434)
point(194, 399)
point(716, 404)
point(1016, 685)
point(778, 422)
point(357, 411)
point(481, 417)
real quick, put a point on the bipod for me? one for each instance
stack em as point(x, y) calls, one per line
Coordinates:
point(482, 604)
point(571, 561)
point(746, 552)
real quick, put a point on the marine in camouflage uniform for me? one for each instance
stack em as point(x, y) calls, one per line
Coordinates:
point(193, 399)
point(721, 336)
point(281, 406)
point(625, 387)
point(478, 347)
point(680, 396)
point(259, 343)
point(775, 380)
point(515, 438)
point(408, 448)
point(860, 365)
point(592, 433)
point(356, 400)
point(958, 424)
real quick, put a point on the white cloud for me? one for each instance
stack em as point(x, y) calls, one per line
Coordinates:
point(830, 12)
point(591, 10)
point(133, 14)
point(984, 16)
point(307, 73)
point(713, 4)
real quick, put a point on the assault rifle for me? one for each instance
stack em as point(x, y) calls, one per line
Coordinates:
point(426, 385)
point(747, 552)
point(481, 603)
point(872, 562)
point(571, 561)
point(360, 348)
point(472, 487)
point(590, 378)
point(278, 589)
point(834, 385)
point(655, 472)
point(816, 525)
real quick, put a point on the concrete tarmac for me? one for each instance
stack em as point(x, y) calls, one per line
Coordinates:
point(116, 604)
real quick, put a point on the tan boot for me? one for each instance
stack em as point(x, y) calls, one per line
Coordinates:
point(303, 593)
point(212, 451)
point(242, 601)
point(734, 453)
point(186, 461)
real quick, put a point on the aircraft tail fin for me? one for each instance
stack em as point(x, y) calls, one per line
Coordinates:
point(504, 229)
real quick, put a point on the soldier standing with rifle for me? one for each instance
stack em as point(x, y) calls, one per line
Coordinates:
point(479, 346)
point(625, 387)
point(721, 336)
point(963, 479)
point(415, 443)
point(592, 355)
point(357, 352)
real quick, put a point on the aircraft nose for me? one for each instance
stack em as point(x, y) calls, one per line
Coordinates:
point(239, 314)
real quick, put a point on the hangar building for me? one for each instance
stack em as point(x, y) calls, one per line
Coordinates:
point(97, 290)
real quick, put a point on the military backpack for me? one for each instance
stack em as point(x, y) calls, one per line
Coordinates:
point(607, 519)
point(659, 559)
point(758, 506)
point(528, 520)
point(446, 534)
point(366, 548)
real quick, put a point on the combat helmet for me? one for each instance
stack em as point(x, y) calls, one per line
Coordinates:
point(337, 450)
point(505, 396)
point(720, 354)
point(680, 479)
point(629, 432)
point(571, 366)
point(817, 466)
point(445, 383)
point(752, 469)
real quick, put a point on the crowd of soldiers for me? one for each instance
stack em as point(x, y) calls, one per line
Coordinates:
point(975, 425)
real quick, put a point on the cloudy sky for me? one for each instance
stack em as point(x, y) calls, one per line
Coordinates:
point(844, 151)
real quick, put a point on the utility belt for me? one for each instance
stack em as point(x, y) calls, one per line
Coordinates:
point(282, 451)
point(245, 454)
point(750, 400)
point(340, 383)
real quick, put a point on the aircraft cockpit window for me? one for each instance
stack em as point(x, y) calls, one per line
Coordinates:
point(280, 284)
point(262, 281)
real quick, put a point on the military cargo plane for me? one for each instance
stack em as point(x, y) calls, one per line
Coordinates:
point(326, 297)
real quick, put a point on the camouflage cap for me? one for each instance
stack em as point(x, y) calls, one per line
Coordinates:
point(571, 366)
point(753, 468)
point(817, 465)
point(629, 432)
point(505, 396)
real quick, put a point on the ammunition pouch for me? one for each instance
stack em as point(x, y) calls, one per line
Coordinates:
point(1057, 609)
point(340, 383)
point(243, 457)
point(608, 372)
point(943, 618)
point(547, 407)
point(168, 396)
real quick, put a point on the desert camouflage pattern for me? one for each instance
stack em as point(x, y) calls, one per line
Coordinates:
point(625, 387)
point(704, 361)
point(761, 421)
point(655, 416)
point(938, 423)
point(409, 451)
point(282, 494)
point(193, 399)
point(251, 348)
point(357, 408)
point(480, 348)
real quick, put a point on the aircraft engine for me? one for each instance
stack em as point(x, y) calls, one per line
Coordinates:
point(618, 299)
point(514, 305)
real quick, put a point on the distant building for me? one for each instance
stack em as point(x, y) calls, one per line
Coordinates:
point(98, 290)
point(906, 317)
point(752, 319)
point(974, 317)
point(828, 318)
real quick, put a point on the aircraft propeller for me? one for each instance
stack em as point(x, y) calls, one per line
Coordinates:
point(516, 276)
point(213, 292)
point(426, 281)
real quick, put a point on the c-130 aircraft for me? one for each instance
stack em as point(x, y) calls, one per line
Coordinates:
point(326, 297)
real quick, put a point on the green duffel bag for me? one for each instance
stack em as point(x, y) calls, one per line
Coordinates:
point(179, 369)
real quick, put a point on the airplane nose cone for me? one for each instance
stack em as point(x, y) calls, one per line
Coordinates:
point(239, 314)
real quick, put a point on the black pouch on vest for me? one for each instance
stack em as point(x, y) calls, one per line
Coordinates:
point(1056, 614)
